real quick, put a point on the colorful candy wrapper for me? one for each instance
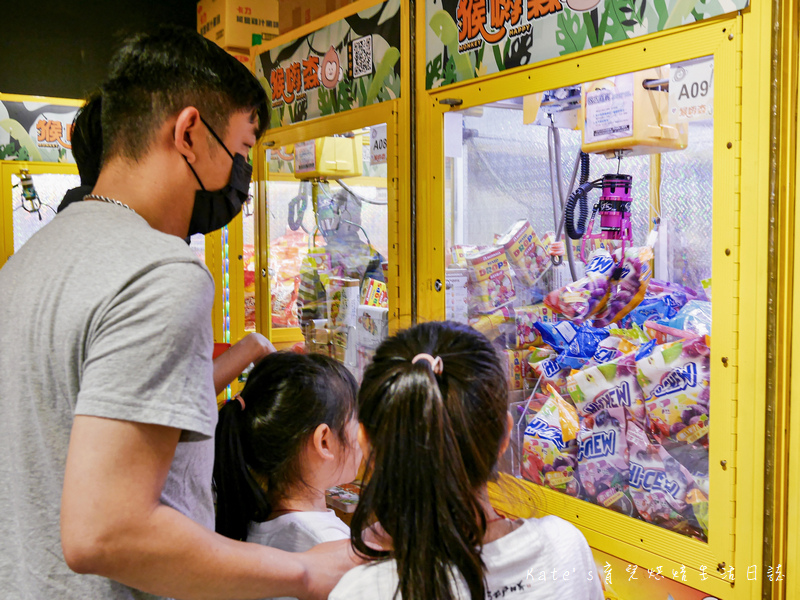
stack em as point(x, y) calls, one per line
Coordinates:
point(694, 317)
point(603, 460)
point(629, 288)
point(610, 385)
point(550, 454)
point(581, 300)
point(517, 368)
point(459, 254)
point(663, 491)
point(374, 293)
point(675, 379)
point(525, 252)
point(550, 372)
point(491, 284)
point(526, 318)
point(494, 324)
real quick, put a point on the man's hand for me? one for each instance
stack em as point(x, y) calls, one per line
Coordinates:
point(325, 565)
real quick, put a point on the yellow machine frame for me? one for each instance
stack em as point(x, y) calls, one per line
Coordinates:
point(740, 284)
point(395, 114)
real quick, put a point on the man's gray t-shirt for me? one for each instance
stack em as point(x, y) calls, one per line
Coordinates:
point(100, 315)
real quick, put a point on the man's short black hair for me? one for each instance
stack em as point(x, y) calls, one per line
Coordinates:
point(156, 75)
point(87, 139)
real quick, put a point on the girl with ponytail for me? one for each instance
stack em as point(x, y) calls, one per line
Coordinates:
point(288, 436)
point(433, 421)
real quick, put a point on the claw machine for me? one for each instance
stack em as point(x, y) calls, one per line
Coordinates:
point(595, 195)
point(36, 163)
point(332, 255)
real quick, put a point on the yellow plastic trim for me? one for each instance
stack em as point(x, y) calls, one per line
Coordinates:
point(13, 167)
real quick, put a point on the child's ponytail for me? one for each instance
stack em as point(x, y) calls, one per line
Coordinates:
point(434, 400)
point(240, 498)
point(260, 439)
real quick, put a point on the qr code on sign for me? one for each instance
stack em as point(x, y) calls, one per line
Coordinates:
point(361, 57)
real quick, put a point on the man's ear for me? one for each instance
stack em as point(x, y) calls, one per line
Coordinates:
point(186, 132)
point(322, 442)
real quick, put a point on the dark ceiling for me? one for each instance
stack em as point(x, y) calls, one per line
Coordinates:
point(61, 48)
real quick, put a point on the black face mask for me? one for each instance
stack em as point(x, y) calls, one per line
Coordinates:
point(215, 209)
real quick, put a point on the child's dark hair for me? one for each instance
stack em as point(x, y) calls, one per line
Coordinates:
point(435, 442)
point(258, 447)
point(154, 76)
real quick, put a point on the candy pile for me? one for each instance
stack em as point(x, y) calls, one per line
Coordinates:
point(625, 361)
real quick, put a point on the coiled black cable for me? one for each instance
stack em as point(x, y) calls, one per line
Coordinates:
point(579, 196)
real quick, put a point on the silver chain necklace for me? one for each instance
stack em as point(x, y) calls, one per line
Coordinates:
point(109, 200)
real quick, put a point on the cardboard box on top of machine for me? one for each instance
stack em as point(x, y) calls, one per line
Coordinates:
point(296, 13)
point(232, 23)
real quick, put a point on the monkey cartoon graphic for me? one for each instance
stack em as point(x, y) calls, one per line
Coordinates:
point(582, 5)
point(330, 71)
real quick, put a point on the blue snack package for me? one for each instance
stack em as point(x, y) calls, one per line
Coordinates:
point(694, 317)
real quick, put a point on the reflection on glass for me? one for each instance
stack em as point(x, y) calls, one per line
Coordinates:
point(578, 223)
point(33, 212)
point(328, 225)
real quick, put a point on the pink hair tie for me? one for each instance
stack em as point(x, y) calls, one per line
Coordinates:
point(240, 399)
point(436, 363)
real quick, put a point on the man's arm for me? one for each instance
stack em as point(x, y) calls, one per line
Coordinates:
point(230, 364)
point(113, 524)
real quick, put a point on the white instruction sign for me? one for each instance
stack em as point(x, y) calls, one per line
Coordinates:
point(305, 157)
point(609, 110)
point(691, 90)
point(377, 145)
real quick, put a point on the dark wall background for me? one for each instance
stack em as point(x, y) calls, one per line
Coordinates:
point(61, 48)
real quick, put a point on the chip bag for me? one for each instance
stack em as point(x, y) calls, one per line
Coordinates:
point(603, 460)
point(582, 299)
point(550, 447)
point(675, 379)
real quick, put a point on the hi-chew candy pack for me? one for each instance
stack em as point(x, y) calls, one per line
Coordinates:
point(603, 460)
point(525, 252)
point(609, 385)
point(675, 379)
point(629, 288)
point(582, 299)
point(663, 491)
point(550, 448)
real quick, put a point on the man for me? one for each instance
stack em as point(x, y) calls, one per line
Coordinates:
point(105, 354)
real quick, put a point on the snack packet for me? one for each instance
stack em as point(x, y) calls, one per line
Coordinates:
point(610, 385)
point(581, 300)
point(603, 460)
point(675, 379)
point(550, 448)
point(517, 368)
point(525, 318)
point(662, 489)
point(694, 317)
point(525, 252)
point(494, 324)
point(628, 289)
point(490, 280)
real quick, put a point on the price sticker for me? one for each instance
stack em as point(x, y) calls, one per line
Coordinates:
point(691, 91)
